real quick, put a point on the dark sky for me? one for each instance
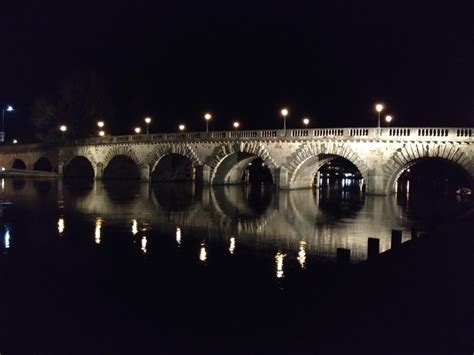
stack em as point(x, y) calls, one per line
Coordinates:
point(175, 60)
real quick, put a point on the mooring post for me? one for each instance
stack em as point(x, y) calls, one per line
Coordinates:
point(343, 256)
point(396, 238)
point(373, 247)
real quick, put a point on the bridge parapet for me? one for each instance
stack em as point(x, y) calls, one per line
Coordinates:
point(358, 133)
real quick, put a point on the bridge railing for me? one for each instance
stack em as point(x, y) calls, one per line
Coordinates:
point(368, 133)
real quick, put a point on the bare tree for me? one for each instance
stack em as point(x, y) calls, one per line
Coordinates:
point(78, 102)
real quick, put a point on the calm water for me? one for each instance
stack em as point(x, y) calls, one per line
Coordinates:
point(112, 257)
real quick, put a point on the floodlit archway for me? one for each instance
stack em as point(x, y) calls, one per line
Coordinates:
point(240, 167)
point(121, 167)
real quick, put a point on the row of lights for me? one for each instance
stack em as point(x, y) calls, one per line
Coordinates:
point(236, 124)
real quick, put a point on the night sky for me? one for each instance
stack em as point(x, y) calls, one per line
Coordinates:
point(244, 61)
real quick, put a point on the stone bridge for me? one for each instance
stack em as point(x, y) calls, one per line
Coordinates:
point(293, 156)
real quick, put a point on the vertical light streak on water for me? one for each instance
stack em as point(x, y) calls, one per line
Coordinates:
point(144, 242)
point(232, 245)
point(279, 264)
point(134, 227)
point(98, 226)
point(302, 254)
point(6, 238)
point(203, 253)
point(178, 236)
point(61, 226)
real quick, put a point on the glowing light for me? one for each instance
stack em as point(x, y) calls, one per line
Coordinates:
point(207, 116)
point(203, 253)
point(379, 108)
point(388, 118)
point(3, 168)
point(10, 108)
point(178, 236)
point(302, 254)
point(144, 242)
point(61, 226)
point(181, 127)
point(279, 264)
point(232, 245)
point(15, 141)
point(236, 124)
point(3, 182)
point(137, 130)
point(101, 133)
point(306, 121)
point(98, 226)
point(284, 112)
point(134, 227)
point(6, 238)
point(100, 124)
point(63, 128)
point(147, 120)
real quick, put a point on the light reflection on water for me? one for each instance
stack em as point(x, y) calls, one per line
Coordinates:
point(292, 224)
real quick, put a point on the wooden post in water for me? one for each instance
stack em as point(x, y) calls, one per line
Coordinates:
point(396, 238)
point(343, 256)
point(373, 247)
point(414, 233)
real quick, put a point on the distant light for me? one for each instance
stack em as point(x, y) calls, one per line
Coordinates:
point(147, 120)
point(232, 245)
point(143, 242)
point(134, 226)
point(61, 225)
point(63, 128)
point(379, 107)
point(284, 112)
point(306, 121)
point(207, 116)
point(236, 124)
point(137, 130)
point(10, 108)
point(100, 124)
point(15, 141)
point(3, 168)
point(388, 118)
point(181, 127)
point(101, 133)
point(203, 253)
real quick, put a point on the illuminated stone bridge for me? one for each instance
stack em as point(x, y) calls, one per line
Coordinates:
point(293, 156)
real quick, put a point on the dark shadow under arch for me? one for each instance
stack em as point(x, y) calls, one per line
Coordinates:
point(121, 167)
point(173, 167)
point(43, 164)
point(79, 168)
point(19, 164)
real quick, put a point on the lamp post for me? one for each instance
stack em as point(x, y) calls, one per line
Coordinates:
point(378, 108)
point(306, 121)
point(137, 130)
point(284, 113)
point(147, 121)
point(207, 117)
point(236, 125)
point(181, 127)
point(100, 124)
point(101, 133)
point(388, 119)
point(2, 133)
point(63, 129)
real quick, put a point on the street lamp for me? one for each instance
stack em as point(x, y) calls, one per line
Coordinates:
point(8, 108)
point(236, 124)
point(388, 119)
point(181, 127)
point(63, 129)
point(306, 121)
point(207, 117)
point(101, 133)
point(378, 108)
point(137, 130)
point(15, 141)
point(100, 124)
point(147, 121)
point(284, 113)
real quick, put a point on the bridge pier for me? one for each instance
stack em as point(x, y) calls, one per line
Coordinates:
point(98, 171)
point(203, 174)
point(375, 183)
point(281, 178)
point(145, 172)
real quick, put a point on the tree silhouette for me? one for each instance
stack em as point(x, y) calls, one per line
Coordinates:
point(78, 102)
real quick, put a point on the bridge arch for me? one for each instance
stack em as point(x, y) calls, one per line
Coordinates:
point(312, 155)
point(410, 154)
point(79, 167)
point(229, 161)
point(43, 164)
point(18, 164)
